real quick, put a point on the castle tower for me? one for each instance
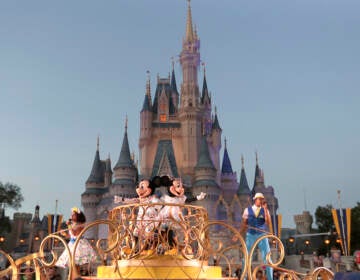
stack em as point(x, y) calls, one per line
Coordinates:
point(205, 102)
point(180, 136)
point(215, 140)
point(205, 179)
point(125, 171)
point(95, 187)
point(229, 183)
point(189, 112)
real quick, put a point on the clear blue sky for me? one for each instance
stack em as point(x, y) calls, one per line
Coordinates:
point(283, 74)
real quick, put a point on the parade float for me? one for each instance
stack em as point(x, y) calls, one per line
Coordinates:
point(136, 248)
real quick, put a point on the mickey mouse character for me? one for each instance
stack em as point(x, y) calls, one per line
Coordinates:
point(147, 219)
point(171, 215)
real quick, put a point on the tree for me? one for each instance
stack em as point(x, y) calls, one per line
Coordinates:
point(355, 228)
point(325, 223)
point(10, 196)
point(323, 218)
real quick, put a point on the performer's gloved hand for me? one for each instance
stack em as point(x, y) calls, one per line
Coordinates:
point(118, 199)
point(201, 196)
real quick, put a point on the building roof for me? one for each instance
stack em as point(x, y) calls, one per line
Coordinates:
point(204, 160)
point(97, 170)
point(164, 85)
point(165, 151)
point(124, 157)
point(226, 164)
point(205, 97)
point(243, 185)
point(146, 104)
point(216, 124)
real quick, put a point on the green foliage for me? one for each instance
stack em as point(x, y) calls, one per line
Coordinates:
point(325, 223)
point(10, 195)
point(323, 218)
point(355, 228)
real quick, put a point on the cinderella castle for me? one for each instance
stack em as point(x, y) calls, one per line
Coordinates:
point(180, 136)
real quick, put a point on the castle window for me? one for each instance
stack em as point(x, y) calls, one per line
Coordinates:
point(162, 118)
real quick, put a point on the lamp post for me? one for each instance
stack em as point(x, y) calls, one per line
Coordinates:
point(307, 243)
point(291, 241)
point(327, 242)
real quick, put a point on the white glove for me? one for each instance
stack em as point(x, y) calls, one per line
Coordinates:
point(118, 199)
point(201, 196)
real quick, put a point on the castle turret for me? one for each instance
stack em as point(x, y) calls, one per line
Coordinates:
point(205, 178)
point(174, 91)
point(206, 105)
point(94, 188)
point(215, 146)
point(125, 171)
point(189, 112)
point(259, 182)
point(96, 177)
point(228, 177)
point(108, 172)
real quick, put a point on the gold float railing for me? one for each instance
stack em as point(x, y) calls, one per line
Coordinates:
point(133, 238)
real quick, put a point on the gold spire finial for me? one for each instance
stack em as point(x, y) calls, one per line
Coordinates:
point(148, 88)
point(189, 26)
point(204, 68)
point(242, 161)
point(97, 142)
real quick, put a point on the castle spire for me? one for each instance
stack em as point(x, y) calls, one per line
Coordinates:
point(125, 157)
point(243, 185)
point(147, 99)
point(226, 164)
point(204, 159)
point(96, 175)
point(189, 36)
point(97, 142)
point(216, 124)
point(205, 98)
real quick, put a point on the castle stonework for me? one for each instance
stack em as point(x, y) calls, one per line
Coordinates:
point(180, 136)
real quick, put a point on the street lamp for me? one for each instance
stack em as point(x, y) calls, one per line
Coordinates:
point(327, 242)
point(291, 241)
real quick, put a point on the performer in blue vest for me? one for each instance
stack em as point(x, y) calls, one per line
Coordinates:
point(256, 219)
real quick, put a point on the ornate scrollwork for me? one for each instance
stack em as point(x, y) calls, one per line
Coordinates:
point(191, 240)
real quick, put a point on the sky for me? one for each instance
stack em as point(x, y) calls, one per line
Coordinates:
point(284, 76)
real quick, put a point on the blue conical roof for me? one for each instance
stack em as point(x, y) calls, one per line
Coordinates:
point(125, 157)
point(204, 160)
point(226, 164)
point(243, 186)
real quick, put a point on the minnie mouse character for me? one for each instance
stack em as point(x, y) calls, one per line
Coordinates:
point(171, 215)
